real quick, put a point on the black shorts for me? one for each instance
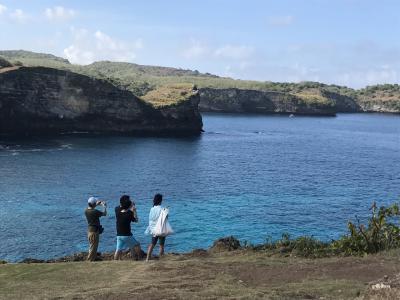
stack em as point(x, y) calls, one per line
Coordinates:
point(154, 240)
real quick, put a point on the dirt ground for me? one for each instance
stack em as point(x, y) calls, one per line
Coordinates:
point(228, 275)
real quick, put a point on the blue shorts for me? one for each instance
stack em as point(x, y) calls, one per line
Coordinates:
point(126, 242)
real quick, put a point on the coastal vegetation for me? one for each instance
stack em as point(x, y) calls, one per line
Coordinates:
point(380, 233)
point(4, 63)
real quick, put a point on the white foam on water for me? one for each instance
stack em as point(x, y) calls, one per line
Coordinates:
point(65, 146)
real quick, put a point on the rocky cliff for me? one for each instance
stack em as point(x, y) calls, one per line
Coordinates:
point(39, 100)
point(252, 101)
point(380, 105)
point(311, 102)
point(342, 103)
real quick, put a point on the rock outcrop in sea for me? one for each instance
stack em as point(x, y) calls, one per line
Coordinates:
point(41, 100)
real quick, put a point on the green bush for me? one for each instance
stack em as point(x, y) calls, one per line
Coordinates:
point(380, 233)
point(304, 246)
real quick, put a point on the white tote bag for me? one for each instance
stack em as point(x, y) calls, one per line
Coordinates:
point(163, 228)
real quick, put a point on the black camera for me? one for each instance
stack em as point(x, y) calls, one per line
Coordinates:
point(101, 229)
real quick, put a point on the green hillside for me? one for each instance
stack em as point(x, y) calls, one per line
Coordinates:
point(141, 79)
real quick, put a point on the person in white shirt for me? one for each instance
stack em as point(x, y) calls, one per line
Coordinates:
point(154, 214)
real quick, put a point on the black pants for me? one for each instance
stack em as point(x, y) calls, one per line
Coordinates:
point(154, 240)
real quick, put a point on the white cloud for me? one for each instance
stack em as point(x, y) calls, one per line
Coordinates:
point(88, 47)
point(19, 16)
point(199, 50)
point(2, 9)
point(59, 13)
point(361, 78)
point(281, 21)
point(196, 50)
point(234, 52)
point(299, 72)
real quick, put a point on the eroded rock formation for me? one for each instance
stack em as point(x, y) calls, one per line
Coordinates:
point(39, 100)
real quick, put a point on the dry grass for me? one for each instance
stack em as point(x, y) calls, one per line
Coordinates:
point(169, 94)
point(230, 275)
point(313, 96)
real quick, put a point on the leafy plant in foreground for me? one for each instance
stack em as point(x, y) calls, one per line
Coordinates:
point(381, 232)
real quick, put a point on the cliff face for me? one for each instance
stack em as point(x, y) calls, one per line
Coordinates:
point(391, 105)
point(38, 100)
point(252, 101)
point(314, 102)
point(343, 103)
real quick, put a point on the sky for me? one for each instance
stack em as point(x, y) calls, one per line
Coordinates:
point(347, 42)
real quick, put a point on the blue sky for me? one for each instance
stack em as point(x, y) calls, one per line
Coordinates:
point(346, 42)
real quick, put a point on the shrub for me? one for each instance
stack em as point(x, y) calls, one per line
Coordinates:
point(381, 233)
point(304, 246)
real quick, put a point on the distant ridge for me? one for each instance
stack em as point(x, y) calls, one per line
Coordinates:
point(140, 79)
point(23, 54)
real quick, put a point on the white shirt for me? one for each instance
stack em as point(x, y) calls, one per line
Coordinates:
point(155, 212)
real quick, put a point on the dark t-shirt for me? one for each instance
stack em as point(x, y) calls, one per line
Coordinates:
point(93, 219)
point(124, 220)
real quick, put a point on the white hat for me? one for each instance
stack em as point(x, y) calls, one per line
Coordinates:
point(92, 200)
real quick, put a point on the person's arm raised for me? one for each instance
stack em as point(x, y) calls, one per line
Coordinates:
point(135, 216)
point(104, 204)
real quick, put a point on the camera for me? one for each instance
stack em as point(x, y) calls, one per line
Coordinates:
point(101, 202)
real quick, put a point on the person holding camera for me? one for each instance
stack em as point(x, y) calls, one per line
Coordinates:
point(94, 227)
point(125, 214)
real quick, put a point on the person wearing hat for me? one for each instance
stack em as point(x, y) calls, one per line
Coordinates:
point(94, 228)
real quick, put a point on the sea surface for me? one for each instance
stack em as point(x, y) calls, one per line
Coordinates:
point(251, 176)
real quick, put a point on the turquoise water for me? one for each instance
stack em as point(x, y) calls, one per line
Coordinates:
point(248, 176)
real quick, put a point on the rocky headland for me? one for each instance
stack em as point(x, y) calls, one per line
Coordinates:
point(215, 94)
point(42, 100)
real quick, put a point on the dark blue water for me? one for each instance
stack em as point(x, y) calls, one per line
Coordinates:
point(248, 176)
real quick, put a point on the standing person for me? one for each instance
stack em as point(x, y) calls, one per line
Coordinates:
point(125, 214)
point(94, 228)
point(154, 214)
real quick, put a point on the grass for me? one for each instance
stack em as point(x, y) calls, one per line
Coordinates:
point(314, 96)
point(229, 275)
point(170, 94)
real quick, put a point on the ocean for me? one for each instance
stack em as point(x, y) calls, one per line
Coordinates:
point(251, 176)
